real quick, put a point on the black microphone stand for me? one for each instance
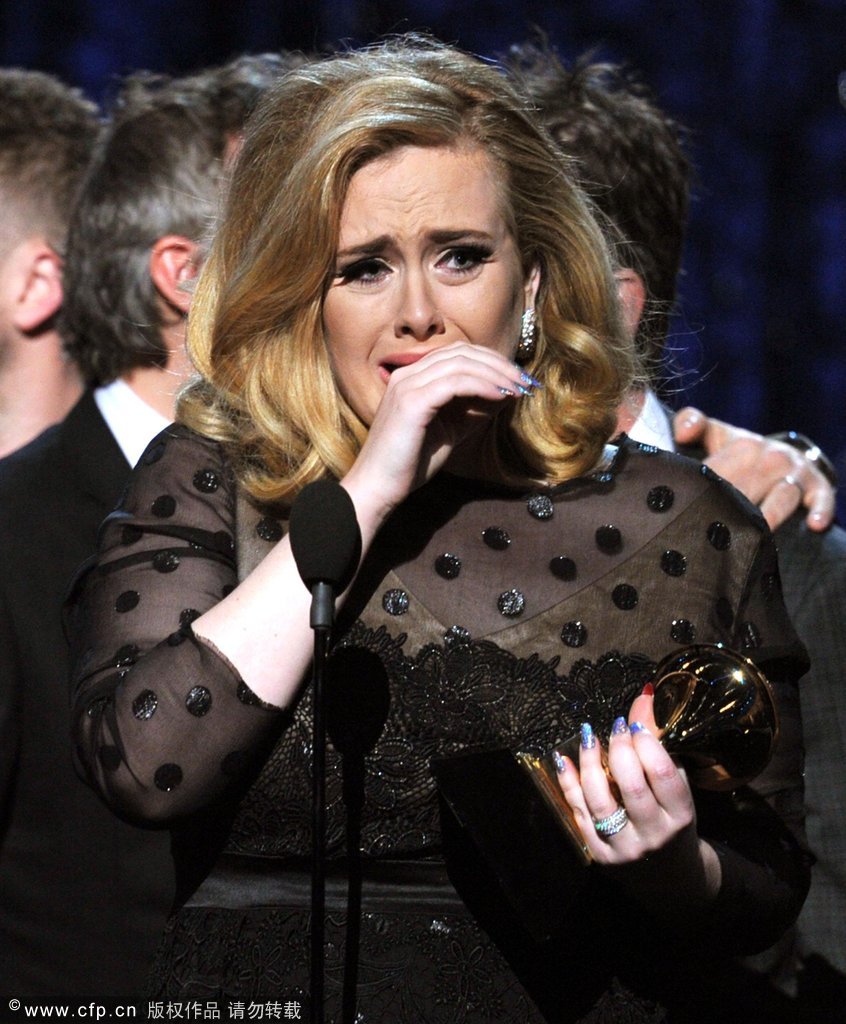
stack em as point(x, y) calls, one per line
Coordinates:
point(326, 545)
point(322, 613)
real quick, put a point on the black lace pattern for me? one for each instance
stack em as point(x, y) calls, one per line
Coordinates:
point(412, 967)
point(389, 714)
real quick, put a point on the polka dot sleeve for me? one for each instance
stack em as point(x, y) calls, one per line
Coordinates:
point(163, 723)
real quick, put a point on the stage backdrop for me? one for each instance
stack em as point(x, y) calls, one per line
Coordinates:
point(760, 334)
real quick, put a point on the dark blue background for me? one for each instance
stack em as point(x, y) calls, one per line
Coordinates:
point(759, 338)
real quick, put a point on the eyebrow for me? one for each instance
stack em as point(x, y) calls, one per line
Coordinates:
point(440, 237)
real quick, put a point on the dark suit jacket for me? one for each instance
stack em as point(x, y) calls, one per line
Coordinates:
point(813, 570)
point(813, 574)
point(83, 896)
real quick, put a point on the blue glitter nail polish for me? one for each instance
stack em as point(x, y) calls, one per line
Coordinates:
point(619, 726)
point(560, 763)
point(587, 736)
point(636, 727)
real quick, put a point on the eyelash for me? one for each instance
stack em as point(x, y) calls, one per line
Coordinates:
point(358, 270)
point(477, 253)
point(373, 265)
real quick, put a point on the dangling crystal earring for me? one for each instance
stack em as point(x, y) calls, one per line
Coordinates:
point(528, 339)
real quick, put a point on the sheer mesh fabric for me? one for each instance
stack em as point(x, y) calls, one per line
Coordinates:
point(481, 618)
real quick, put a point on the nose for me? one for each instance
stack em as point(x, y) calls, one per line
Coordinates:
point(418, 315)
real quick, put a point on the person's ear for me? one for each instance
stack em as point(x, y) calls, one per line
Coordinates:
point(174, 263)
point(632, 294)
point(530, 289)
point(38, 293)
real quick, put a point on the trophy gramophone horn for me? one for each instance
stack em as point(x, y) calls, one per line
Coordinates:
point(716, 713)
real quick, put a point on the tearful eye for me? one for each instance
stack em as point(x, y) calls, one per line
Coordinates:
point(363, 271)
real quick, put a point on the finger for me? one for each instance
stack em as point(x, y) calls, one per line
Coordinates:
point(642, 709)
point(783, 499)
point(600, 798)
point(689, 425)
point(790, 480)
point(667, 784)
point(415, 402)
point(629, 778)
point(570, 783)
point(464, 364)
point(464, 372)
point(477, 353)
point(785, 480)
point(820, 500)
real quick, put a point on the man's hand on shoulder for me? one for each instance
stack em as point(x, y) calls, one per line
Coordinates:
point(773, 474)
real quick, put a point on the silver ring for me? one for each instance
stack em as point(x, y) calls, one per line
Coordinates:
point(792, 480)
point(613, 824)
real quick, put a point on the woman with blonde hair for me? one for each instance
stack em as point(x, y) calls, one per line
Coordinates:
point(408, 295)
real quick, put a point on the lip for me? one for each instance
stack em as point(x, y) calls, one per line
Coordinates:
point(398, 360)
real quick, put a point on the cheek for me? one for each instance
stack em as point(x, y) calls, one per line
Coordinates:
point(339, 332)
point(332, 321)
point(347, 325)
point(345, 369)
point(348, 348)
point(497, 312)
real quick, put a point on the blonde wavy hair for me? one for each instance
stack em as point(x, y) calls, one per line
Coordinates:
point(266, 389)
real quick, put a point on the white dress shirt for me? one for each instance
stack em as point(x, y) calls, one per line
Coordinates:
point(653, 424)
point(133, 423)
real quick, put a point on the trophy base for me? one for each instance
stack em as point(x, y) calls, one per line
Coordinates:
point(507, 806)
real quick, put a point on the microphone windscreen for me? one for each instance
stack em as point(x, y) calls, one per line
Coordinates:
point(325, 538)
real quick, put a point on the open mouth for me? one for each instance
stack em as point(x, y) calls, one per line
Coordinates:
point(387, 367)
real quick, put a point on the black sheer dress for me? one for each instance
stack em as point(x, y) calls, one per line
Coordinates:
point(481, 618)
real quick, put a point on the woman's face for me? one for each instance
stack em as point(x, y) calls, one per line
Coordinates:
point(424, 259)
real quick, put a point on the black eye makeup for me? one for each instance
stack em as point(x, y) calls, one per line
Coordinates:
point(463, 258)
point(365, 271)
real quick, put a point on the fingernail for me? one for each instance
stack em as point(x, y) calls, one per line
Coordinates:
point(527, 378)
point(619, 726)
point(560, 763)
point(648, 690)
point(587, 736)
point(526, 392)
point(507, 392)
point(636, 727)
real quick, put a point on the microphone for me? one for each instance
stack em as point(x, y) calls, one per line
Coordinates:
point(326, 545)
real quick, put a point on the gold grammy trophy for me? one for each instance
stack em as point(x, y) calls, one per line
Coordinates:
point(715, 713)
